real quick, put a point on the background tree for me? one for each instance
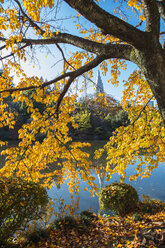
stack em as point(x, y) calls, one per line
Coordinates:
point(107, 40)
point(97, 117)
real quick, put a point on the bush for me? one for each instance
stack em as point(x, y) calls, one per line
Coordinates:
point(20, 203)
point(86, 217)
point(151, 206)
point(67, 222)
point(38, 235)
point(120, 197)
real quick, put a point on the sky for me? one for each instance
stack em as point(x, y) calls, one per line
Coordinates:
point(46, 65)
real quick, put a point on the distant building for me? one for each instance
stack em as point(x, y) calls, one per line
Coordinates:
point(99, 88)
point(99, 84)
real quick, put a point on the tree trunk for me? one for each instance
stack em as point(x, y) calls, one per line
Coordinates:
point(152, 63)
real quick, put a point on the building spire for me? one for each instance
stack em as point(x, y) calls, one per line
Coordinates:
point(99, 84)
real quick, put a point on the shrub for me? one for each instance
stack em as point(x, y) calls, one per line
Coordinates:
point(151, 206)
point(38, 235)
point(67, 222)
point(120, 197)
point(86, 217)
point(20, 203)
point(137, 217)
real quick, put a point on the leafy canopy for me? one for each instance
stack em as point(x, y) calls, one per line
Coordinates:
point(26, 24)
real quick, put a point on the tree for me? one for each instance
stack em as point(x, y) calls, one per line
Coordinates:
point(96, 117)
point(83, 120)
point(107, 40)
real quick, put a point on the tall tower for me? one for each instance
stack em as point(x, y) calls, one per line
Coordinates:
point(99, 84)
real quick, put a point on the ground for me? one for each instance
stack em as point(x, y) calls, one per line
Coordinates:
point(136, 230)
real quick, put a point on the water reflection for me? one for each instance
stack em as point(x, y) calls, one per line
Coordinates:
point(153, 187)
point(101, 180)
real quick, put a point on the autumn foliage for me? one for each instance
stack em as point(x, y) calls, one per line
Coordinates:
point(138, 230)
point(25, 25)
point(20, 203)
point(131, 31)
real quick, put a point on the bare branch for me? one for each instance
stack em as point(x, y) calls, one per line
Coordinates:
point(141, 111)
point(139, 24)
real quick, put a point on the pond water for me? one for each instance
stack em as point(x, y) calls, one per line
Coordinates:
point(154, 186)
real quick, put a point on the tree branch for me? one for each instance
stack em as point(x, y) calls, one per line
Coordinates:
point(152, 16)
point(28, 18)
point(75, 74)
point(12, 54)
point(120, 51)
point(90, 46)
point(2, 47)
point(161, 8)
point(110, 24)
point(71, 75)
point(141, 111)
